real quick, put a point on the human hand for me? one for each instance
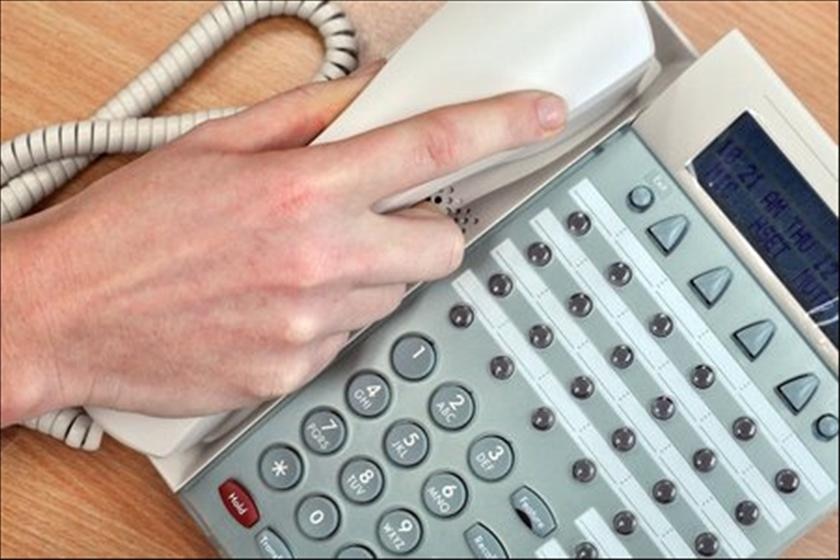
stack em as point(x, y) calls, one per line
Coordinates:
point(229, 266)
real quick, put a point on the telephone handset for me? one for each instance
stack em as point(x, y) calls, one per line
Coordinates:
point(597, 55)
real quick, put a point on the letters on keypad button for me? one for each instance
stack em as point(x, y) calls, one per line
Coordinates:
point(406, 443)
point(444, 494)
point(798, 392)
point(361, 481)
point(400, 531)
point(490, 458)
point(754, 338)
point(669, 232)
point(368, 394)
point(483, 543)
point(533, 511)
point(271, 545)
point(324, 431)
point(451, 406)
point(711, 285)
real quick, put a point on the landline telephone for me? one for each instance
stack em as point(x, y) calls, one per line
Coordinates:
point(623, 365)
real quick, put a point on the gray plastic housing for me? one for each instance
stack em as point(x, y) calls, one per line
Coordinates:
point(597, 185)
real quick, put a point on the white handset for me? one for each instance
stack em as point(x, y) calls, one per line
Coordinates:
point(591, 53)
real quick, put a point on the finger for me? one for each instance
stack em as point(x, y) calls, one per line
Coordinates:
point(396, 157)
point(408, 246)
point(291, 119)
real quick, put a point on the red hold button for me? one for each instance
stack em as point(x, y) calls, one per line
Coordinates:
point(239, 503)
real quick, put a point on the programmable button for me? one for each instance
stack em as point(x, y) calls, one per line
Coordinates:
point(413, 357)
point(461, 316)
point(706, 544)
point(483, 543)
point(361, 481)
point(664, 491)
point(711, 284)
point(703, 377)
point(451, 406)
point(318, 517)
point(406, 443)
point(787, 481)
point(704, 460)
point(280, 467)
point(827, 426)
point(744, 428)
point(754, 338)
point(502, 367)
point(582, 387)
point(586, 550)
point(533, 511)
point(368, 394)
point(490, 458)
point(538, 253)
point(541, 336)
point(640, 198)
point(798, 391)
point(619, 274)
point(669, 232)
point(271, 545)
point(324, 431)
point(542, 418)
point(624, 439)
point(239, 503)
point(444, 494)
point(500, 285)
point(399, 531)
point(584, 470)
point(625, 523)
point(622, 356)
point(355, 551)
point(747, 512)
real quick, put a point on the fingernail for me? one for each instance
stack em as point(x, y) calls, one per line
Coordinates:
point(370, 67)
point(551, 112)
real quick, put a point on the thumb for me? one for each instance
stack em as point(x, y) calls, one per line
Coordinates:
point(294, 118)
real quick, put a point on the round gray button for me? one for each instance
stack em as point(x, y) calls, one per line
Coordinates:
point(619, 274)
point(542, 418)
point(451, 407)
point(406, 443)
point(586, 550)
point(787, 481)
point(444, 494)
point(500, 285)
point(665, 491)
point(461, 315)
point(663, 408)
point(501, 367)
point(580, 305)
point(318, 517)
point(490, 458)
point(578, 223)
point(324, 431)
point(582, 387)
point(704, 460)
point(640, 198)
point(361, 481)
point(827, 426)
point(355, 551)
point(399, 531)
point(623, 439)
point(747, 512)
point(661, 325)
point(540, 336)
point(622, 356)
point(368, 394)
point(584, 470)
point(280, 467)
point(539, 254)
point(624, 523)
point(706, 544)
point(703, 376)
point(744, 428)
point(413, 357)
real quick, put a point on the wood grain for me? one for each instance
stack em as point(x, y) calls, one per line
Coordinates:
point(60, 60)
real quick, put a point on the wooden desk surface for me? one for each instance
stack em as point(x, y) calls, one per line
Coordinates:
point(60, 60)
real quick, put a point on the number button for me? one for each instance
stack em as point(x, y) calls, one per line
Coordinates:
point(400, 531)
point(444, 494)
point(406, 444)
point(324, 431)
point(451, 407)
point(490, 458)
point(280, 467)
point(318, 517)
point(361, 481)
point(413, 357)
point(368, 394)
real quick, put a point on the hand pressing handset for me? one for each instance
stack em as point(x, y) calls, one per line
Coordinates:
point(229, 266)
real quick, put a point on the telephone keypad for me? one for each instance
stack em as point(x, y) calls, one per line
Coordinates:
point(400, 531)
point(444, 494)
point(451, 406)
point(324, 431)
point(491, 458)
point(413, 357)
point(368, 394)
point(362, 480)
point(318, 517)
point(406, 443)
point(281, 467)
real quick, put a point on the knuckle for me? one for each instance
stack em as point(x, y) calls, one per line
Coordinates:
point(441, 142)
point(298, 328)
point(292, 197)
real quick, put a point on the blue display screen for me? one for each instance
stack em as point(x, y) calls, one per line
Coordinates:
point(778, 212)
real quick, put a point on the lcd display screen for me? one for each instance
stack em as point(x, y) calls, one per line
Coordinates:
point(778, 212)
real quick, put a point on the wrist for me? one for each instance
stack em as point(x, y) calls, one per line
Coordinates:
point(30, 285)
